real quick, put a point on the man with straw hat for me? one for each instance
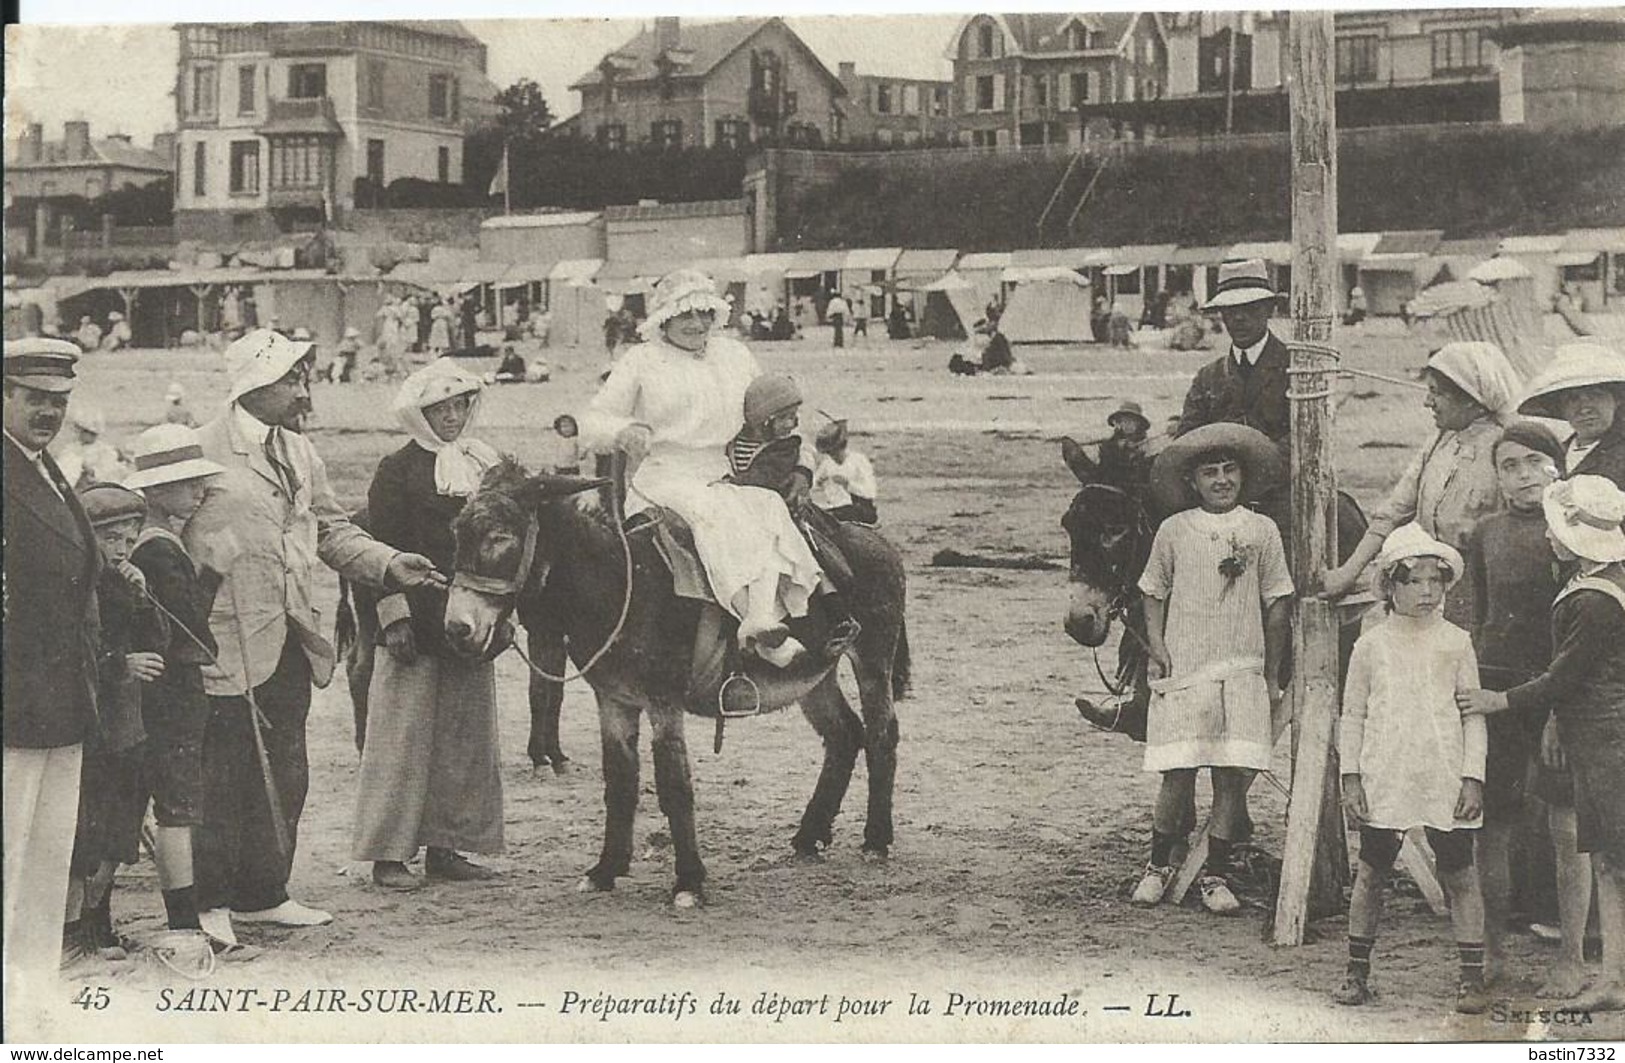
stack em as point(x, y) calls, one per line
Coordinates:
point(1584, 687)
point(1247, 385)
point(51, 567)
point(262, 526)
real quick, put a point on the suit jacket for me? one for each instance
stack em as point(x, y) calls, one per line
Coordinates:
point(264, 546)
point(1223, 391)
point(52, 563)
point(1607, 458)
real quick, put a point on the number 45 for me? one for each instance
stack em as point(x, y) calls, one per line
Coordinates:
point(93, 999)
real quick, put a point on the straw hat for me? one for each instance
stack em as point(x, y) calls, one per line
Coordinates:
point(1409, 542)
point(109, 504)
point(1241, 281)
point(1585, 515)
point(1576, 365)
point(768, 395)
point(166, 454)
point(1130, 408)
point(1260, 459)
point(41, 364)
point(259, 358)
point(677, 293)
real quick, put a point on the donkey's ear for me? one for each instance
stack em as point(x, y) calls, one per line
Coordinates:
point(1077, 460)
point(547, 486)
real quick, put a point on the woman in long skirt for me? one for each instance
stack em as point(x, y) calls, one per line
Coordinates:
point(429, 768)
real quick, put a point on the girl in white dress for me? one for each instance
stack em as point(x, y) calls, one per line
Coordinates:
point(1410, 758)
point(671, 404)
point(1217, 598)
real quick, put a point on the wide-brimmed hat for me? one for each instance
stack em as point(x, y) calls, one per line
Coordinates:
point(677, 293)
point(1262, 467)
point(167, 454)
point(1585, 514)
point(1130, 408)
point(768, 395)
point(259, 358)
point(41, 364)
point(111, 503)
point(1576, 365)
point(1407, 543)
point(1241, 281)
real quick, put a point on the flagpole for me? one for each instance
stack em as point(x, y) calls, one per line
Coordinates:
point(507, 181)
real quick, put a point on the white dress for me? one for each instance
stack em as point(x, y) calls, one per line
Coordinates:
point(1214, 710)
point(858, 475)
point(694, 403)
point(1401, 731)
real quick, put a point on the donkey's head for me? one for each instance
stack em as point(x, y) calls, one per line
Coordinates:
point(1110, 537)
point(501, 552)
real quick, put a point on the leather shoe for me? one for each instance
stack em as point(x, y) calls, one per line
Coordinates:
point(392, 875)
point(289, 913)
point(451, 866)
point(216, 923)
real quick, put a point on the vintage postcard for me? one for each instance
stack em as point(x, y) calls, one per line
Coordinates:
point(436, 451)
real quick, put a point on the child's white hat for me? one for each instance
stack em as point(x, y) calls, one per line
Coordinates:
point(1585, 515)
point(167, 454)
point(1409, 542)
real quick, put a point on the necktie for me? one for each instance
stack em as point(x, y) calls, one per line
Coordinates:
point(52, 479)
point(276, 453)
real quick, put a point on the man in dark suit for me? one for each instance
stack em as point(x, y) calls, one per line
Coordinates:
point(51, 567)
point(1247, 385)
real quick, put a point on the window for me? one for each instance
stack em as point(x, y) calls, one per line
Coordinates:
point(985, 41)
point(886, 137)
point(984, 138)
point(1041, 91)
point(1357, 58)
point(443, 165)
point(440, 96)
point(612, 135)
point(1080, 88)
point(375, 85)
point(911, 99)
point(307, 81)
point(93, 187)
point(1458, 51)
point(666, 133)
point(1128, 283)
point(837, 125)
point(375, 162)
point(939, 101)
point(246, 77)
point(883, 98)
point(245, 167)
point(732, 133)
point(1077, 38)
point(202, 40)
point(1213, 59)
point(296, 162)
point(203, 101)
point(984, 92)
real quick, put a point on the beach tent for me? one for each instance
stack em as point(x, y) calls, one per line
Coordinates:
point(949, 308)
point(1049, 304)
point(575, 303)
point(984, 270)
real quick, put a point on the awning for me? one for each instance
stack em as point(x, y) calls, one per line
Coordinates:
point(1351, 247)
point(1065, 257)
point(523, 273)
point(766, 265)
point(1046, 274)
point(814, 263)
point(1532, 245)
point(1143, 254)
point(873, 258)
point(1397, 263)
point(1499, 269)
point(1121, 270)
point(1278, 252)
point(949, 281)
point(1575, 258)
point(1411, 242)
point(984, 260)
point(932, 261)
point(723, 270)
point(1609, 240)
point(1198, 256)
point(574, 271)
point(625, 269)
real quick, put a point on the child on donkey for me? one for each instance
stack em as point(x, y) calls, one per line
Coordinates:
point(1409, 758)
point(1217, 594)
point(1584, 687)
point(1509, 566)
point(110, 806)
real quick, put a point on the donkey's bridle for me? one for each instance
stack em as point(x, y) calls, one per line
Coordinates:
point(496, 586)
point(1123, 601)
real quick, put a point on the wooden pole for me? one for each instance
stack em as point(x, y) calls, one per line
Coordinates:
point(1314, 841)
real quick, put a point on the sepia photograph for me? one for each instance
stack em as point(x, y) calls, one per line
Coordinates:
point(726, 527)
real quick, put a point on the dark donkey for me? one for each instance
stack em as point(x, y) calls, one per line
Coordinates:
point(523, 541)
point(1111, 529)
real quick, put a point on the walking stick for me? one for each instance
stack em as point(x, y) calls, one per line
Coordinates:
point(283, 845)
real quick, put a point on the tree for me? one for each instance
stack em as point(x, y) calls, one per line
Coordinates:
point(523, 114)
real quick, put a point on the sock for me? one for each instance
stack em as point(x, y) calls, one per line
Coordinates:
point(71, 931)
point(1162, 848)
point(1360, 956)
point(181, 906)
point(1218, 856)
point(98, 922)
point(1472, 961)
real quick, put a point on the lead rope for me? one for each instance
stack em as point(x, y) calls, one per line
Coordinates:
point(626, 609)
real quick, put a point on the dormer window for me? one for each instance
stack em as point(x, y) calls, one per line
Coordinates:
point(1078, 37)
point(985, 41)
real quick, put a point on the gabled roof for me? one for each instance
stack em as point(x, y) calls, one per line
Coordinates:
point(709, 43)
point(108, 151)
point(438, 27)
point(1045, 33)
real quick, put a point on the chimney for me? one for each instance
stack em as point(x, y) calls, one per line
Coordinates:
point(76, 139)
point(33, 146)
point(122, 138)
point(849, 72)
point(667, 32)
point(163, 146)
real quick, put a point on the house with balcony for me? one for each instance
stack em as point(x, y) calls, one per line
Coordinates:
point(728, 84)
point(1227, 69)
point(884, 110)
point(283, 127)
point(1037, 78)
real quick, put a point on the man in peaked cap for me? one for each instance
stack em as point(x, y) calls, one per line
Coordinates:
point(1247, 384)
point(263, 525)
point(51, 567)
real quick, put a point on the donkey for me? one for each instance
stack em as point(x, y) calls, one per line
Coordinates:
point(524, 542)
point(1110, 527)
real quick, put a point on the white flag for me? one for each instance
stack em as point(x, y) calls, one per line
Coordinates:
point(499, 183)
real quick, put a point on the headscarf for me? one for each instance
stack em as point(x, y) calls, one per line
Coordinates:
point(1483, 372)
point(458, 464)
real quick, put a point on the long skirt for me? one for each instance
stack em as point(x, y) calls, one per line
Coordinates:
point(430, 768)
